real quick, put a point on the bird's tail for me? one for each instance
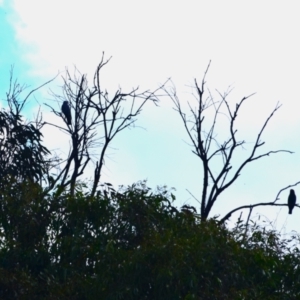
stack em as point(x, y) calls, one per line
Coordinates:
point(290, 211)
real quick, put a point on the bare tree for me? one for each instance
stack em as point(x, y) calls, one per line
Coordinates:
point(209, 149)
point(97, 119)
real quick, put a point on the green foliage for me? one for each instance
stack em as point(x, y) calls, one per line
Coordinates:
point(21, 152)
point(132, 244)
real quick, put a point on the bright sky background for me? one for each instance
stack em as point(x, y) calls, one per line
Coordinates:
point(254, 47)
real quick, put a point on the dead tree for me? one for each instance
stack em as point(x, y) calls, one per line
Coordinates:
point(96, 119)
point(201, 132)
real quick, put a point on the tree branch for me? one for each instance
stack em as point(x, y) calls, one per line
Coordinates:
point(251, 206)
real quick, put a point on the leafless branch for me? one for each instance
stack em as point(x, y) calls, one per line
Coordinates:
point(97, 119)
point(251, 206)
point(15, 90)
point(207, 147)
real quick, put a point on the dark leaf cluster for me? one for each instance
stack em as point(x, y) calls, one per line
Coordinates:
point(133, 244)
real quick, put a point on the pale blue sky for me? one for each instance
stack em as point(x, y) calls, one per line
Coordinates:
point(254, 47)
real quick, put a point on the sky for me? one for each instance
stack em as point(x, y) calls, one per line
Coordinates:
point(253, 47)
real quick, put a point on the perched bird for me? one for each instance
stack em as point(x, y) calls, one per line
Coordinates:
point(65, 108)
point(291, 201)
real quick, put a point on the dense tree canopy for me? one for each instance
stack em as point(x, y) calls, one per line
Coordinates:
point(133, 244)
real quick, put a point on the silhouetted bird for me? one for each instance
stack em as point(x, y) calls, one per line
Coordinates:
point(291, 201)
point(65, 108)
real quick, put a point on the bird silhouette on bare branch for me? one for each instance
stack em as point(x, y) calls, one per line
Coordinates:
point(291, 201)
point(65, 108)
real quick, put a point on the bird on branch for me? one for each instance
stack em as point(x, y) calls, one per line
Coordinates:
point(291, 201)
point(65, 108)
